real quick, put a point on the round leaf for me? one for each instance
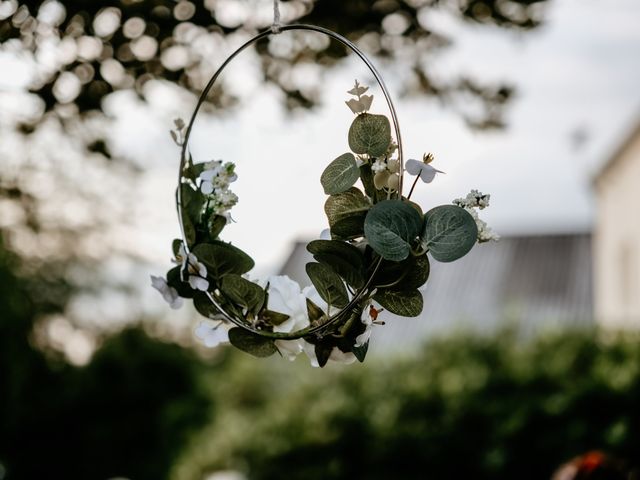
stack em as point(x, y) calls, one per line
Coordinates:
point(221, 258)
point(406, 303)
point(346, 204)
point(328, 283)
point(370, 134)
point(340, 175)
point(251, 343)
point(449, 232)
point(391, 226)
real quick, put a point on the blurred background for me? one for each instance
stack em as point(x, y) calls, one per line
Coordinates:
point(527, 354)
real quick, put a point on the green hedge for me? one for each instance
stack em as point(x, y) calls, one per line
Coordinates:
point(465, 408)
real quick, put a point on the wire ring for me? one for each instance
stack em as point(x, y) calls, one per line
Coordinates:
point(183, 156)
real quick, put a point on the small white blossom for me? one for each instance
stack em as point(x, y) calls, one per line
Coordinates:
point(379, 166)
point(325, 234)
point(473, 200)
point(211, 333)
point(427, 172)
point(169, 294)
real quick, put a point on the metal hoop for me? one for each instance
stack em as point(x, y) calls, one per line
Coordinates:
point(347, 43)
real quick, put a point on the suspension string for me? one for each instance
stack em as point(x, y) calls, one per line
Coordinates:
point(275, 27)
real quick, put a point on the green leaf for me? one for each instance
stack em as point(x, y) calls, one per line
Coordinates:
point(328, 284)
point(409, 274)
point(370, 134)
point(346, 204)
point(360, 352)
point(192, 202)
point(221, 258)
point(323, 352)
point(189, 230)
point(251, 343)
point(366, 175)
point(204, 306)
point(407, 303)
point(243, 292)
point(345, 259)
point(417, 274)
point(449, 232)
point(348, 228)
point(391, 226)
point(314, 312)
point(175, 246)
point(174, 280)
point(216, 224)
point(273, 318)
point(340, 174)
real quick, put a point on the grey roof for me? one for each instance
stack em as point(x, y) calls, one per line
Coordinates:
point(538, 281)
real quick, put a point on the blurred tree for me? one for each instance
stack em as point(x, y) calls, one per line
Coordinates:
point(86, 50)
point(128, 413)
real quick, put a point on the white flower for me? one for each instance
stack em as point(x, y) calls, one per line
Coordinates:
point(379, 166)
point(211, 333)
point(325, 234)
point(427, 172)
point(473, 199)
point(337, 355)
point(196, 271)
point(169, 294)
point(286, 297)
point(210, 172)
point(369, 318)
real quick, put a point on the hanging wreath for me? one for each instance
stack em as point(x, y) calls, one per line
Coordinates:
point(373, 257)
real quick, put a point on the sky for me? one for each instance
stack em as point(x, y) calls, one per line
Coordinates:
point(577, 81)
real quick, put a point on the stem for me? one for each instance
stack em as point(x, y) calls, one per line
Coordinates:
point(412, 187)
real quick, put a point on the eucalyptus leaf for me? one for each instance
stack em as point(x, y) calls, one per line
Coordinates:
point(407, 303)
point(251, 343)
point(204, 306)
point(192, 202)
point(340, 175)
point(346, 204)
point(216, 225)
point(370, 134)
point(189, 230)
point(222, 258)
point(323, 352)
point(175, 246)
point(449, 232)
point(391, 226)
point(328, 284)
point(417, 273)
point(345, 259)
point(348, 228)
point(361, 352)
point(174, 280)
point(243, 292)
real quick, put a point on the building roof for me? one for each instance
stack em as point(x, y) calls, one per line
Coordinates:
point(538, 281)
